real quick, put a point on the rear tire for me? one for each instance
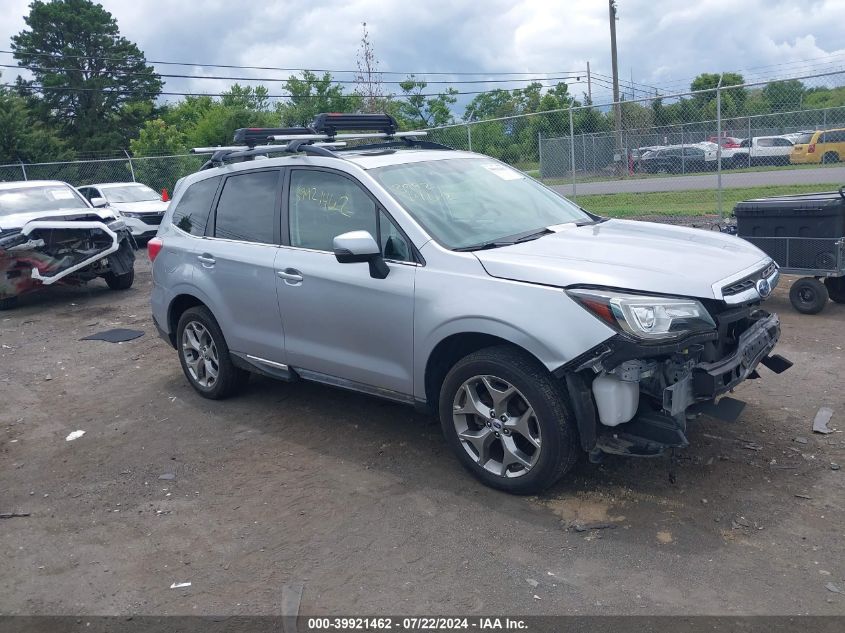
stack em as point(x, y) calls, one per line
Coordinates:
point(830, 157)
point(835, 288)
point(120, 282)
point(204, 356)
point(530, 442)
point(808, 295)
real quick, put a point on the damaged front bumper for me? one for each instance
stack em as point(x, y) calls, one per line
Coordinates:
point(658, 386)
point(44, 252)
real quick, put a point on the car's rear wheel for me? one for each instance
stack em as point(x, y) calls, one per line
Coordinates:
point(830, 157)
point(120, 282)
point(508, 420)
point(808, 295)
point(835, 288)
point(205, 357)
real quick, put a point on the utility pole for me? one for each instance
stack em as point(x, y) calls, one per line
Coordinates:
point(590, 86)
point(617, 108)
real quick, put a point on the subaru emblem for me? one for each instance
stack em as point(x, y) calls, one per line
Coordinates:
point(764, 288)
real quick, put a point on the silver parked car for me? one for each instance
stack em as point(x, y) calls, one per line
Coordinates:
point(448, 280)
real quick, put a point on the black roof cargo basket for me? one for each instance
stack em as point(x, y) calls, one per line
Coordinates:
point(330, 123)
point(322, 136)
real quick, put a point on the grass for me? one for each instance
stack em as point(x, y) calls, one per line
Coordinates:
point(695, 202)
point(567, 180)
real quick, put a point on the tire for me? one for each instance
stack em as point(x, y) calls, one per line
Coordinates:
point(120, 282)
point(198, 368)
point(830, 158)
point(543, 444)
point(835, 288)
point(9, 303)
point(808, 295)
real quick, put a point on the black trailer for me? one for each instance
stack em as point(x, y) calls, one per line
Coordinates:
point(805, 235)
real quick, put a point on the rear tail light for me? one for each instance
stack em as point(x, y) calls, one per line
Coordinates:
point(811, 149)
point(154, 248)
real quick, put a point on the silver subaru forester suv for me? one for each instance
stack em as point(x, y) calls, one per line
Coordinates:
point(448, 280)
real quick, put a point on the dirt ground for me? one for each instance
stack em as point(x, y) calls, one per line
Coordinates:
point(361, 501)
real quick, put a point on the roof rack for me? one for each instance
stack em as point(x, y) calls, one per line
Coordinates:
point(318, 139)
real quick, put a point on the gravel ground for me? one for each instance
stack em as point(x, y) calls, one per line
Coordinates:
point(361, 501)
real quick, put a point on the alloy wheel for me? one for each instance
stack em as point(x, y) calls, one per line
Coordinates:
point(200, 353)
point(496, 426)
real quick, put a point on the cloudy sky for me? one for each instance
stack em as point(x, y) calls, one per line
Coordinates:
point(662, 43)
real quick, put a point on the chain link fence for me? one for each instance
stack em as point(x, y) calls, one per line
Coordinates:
point(685, 157)
point(159, 172)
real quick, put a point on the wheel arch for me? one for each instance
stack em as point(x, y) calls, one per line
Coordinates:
point(177, 308)
point(450, 349)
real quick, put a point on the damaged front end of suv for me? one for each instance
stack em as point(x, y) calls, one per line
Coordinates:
point(71, 243)
point(673, 357)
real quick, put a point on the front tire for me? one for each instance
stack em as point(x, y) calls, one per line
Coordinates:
point(204, 355)
point(808, 295)
point(508, 420)
point(9, 303)
point(835, 288)
point(120, 282)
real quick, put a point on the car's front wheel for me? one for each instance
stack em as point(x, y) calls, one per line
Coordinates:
point(205, 357)
point(508, 420)
point(120, 282)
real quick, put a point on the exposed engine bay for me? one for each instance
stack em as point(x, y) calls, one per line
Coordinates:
point(635, 399)
point(68, 249)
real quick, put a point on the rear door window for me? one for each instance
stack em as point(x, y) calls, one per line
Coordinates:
point(191, 213)
point(246, 210)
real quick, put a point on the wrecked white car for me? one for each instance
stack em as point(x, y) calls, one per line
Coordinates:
point(50, 234)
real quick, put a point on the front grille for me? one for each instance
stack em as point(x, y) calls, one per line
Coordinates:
point(749, 282)
point(147, 218)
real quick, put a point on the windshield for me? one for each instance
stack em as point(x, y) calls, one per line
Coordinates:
point(465, 202)
point(46, 198)
point(130, 193)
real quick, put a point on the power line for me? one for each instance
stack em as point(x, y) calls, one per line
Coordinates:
point(38, 88)
point(279, 79)
point(316, 70)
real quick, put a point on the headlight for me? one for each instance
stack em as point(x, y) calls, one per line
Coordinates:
point(644, 317)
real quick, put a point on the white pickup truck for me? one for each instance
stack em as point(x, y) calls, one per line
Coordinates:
point(760, 150)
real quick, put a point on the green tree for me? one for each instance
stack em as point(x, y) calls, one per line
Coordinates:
point(782, 96)
point(156, 138)
point(733, 100)
point(22, 136)
point(89, 76)
point(311, 95)
point(418, 110)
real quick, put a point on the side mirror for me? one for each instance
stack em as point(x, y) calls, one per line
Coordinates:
point(99, 202)
point(359, 247)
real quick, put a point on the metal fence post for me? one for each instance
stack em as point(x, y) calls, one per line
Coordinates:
point(23, 169)
point(750, 142)
point(683, 157)
point(131, 169)
point(719, 146)
point(540, 153)
point(572, 154)
point(469, 137)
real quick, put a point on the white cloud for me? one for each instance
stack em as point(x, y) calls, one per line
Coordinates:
point(663, 42)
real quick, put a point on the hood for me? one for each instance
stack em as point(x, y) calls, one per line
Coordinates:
point(147, 206)
point(625, 254)
point(18, 220)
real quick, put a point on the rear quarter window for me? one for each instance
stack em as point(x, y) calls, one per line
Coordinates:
point(192, 211)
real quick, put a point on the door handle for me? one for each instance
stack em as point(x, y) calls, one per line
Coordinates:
point(206, 260)
point(291, 276)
